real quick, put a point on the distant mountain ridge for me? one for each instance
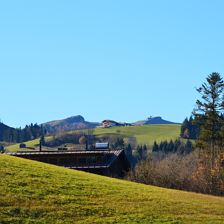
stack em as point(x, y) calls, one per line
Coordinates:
point(78, 122)
point(71, 123)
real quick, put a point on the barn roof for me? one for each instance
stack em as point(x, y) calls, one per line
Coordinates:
point(115, 152)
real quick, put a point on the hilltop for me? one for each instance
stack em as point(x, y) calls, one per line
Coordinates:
point(69, 124)
point(154, 120)
point(33, 192)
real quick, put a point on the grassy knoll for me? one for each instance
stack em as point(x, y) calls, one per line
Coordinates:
point(146, 134)
point(15, 147)
point(33, 143)
point(33, 192)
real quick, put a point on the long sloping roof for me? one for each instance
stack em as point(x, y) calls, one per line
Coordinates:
point(115, 152)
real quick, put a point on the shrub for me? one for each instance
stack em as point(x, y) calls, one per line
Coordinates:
point(82, 140)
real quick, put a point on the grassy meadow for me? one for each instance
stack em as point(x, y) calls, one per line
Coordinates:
point(15, 147)
point(145, 134)
point(32, 144)
point(34, 192)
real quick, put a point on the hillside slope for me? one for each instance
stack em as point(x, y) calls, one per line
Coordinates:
point(33, 192)
point(146, 134)
point(31, 144)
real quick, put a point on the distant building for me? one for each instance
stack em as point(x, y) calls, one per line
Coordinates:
point(103, 145)
point(111, 163)
point(111, 123)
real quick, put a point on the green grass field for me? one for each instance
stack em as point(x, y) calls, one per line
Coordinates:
point(15, 147)
point(33, 192)
point(33, 143)
point(146, 134)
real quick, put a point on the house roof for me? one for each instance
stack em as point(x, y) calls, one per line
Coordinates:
point(115, 152)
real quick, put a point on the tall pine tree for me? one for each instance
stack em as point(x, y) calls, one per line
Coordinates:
point(209, 108)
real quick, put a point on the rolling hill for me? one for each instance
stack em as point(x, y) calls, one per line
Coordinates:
point(78, 122)
point(29, 144)
point(145, 134)
point(33, 192)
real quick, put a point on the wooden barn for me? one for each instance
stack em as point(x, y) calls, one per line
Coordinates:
point(111, 163)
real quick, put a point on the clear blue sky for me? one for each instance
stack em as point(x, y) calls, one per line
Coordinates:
point(123, 60)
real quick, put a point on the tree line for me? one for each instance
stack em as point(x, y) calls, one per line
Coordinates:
point(168, 147)
point(190, 129)
point(18, 135)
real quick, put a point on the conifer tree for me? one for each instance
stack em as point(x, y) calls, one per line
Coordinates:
point(155, 147)
point(209, 108)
